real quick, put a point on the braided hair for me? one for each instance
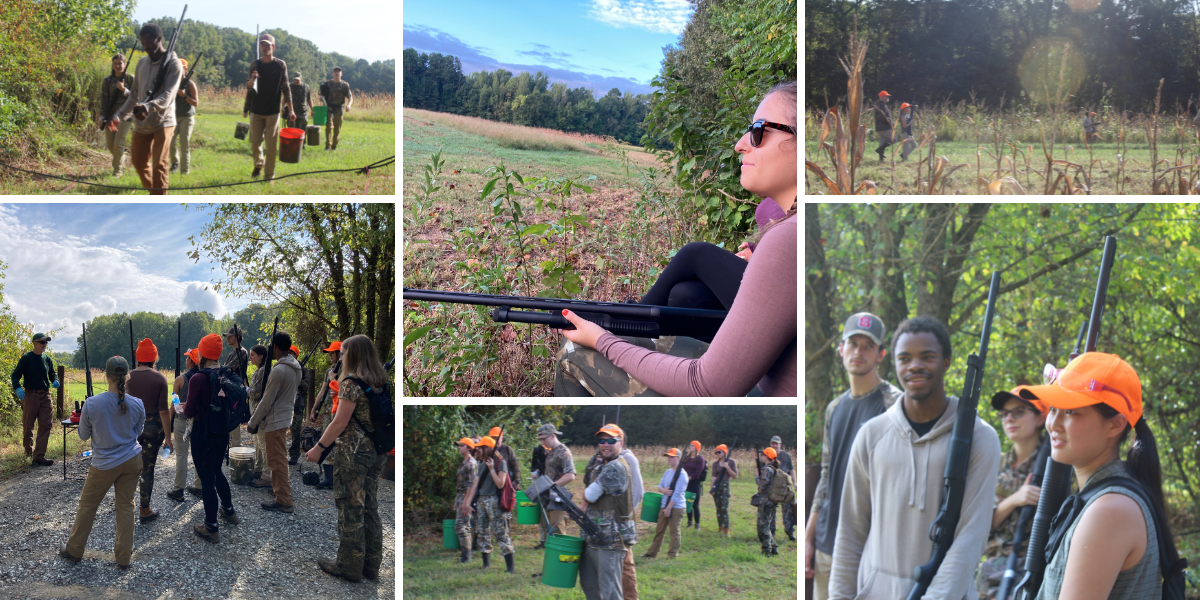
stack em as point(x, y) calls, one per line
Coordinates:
point(121, 395)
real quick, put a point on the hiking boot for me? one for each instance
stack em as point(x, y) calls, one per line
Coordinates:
point(330, 566)
point(880, 157)
point(260, 483)
point(276, 507)
point(256, 172)
point(147, 514)
point(29, 454)
point(202, 530)
point(466, 556)
point(508, 562)
point(487, 559)
point(539, 546)
point(176, 495)
point(195, 491)
point(45, 462)
point(230, 515)
point(326, 481)
point(123, 567)
point(67, 555)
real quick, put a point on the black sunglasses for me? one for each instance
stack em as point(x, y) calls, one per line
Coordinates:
point(603, 441)
point(756, 130)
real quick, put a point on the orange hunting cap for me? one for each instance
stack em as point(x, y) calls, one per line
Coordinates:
point(295, 351)
point(884, 93)
point(696, 445)
point(722, 448)
point(486, 441)
point(210, 346)
point(146, 352)
point(465, 442)
point(612, 430)
point(194, 354)
point(770, 452)
point(494, 432)
point(334, 347)
point(904, 106)
point(1092, 378)
point(672, 452)
point(1001, 398)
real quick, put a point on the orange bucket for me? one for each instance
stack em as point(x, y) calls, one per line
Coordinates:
point(291, 143)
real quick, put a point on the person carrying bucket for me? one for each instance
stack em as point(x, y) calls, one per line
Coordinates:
point(490, 522)
point(670, 515)
point(560, 467)
point(591, 472)
point(338, 99)
point(302, 96)
point(608, 502)
point(264, 106)
point(464, 482)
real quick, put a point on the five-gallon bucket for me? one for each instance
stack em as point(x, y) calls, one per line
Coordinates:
point(560, 566)
point(651, 506)
point(241, 130)
point(241, 465)
point(527, 510)
point(449, 536)
point(319, 114)
point(314, 135)
point(691, 498)
point(291, 144)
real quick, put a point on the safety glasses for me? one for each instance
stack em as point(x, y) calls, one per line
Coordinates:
point(603, 441)
point(1076, 382)
point(756, 130)
point(1016, 413)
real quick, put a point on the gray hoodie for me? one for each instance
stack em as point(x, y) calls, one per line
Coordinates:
point(274, 410)
point(891, 496)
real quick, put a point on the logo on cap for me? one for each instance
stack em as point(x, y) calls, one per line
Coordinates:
point(864, 321)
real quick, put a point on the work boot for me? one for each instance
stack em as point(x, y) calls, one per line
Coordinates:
point(147, 514)
point(195, 491)
point(258, 170)
point(45, 462)
point(466, 556)
point(230, 515)
point(508, 561)
point(539, 546)
point(326, 481)
point(487, 559)
point(203, 531)
point(330, 566)
point(880, 157)
point(259, 482)
point(292, 460)
point(276, 507)
point(176, 495)
point(689, 523)
point(174, 168)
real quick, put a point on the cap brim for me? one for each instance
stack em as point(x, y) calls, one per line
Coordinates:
point(1054, 395)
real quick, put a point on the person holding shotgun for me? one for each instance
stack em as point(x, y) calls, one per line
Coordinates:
point(326, 405)
point(559, 466)
point(697, 471)
point(464, 481)
point(274, 416)
point(155, 87)
point(670, 516)
point(113, 91)
point(609, 502)
point(592, 471)
point(238, 360)
point(767, 470)
point(185, 122)
point(894, 482)
point(724, 469)
point(146, 383)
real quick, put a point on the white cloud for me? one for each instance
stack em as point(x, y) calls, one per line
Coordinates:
point(662, 16)
point(201, 297)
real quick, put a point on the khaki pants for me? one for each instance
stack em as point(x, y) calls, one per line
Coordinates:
point(149, 152)
point(823, 564)
point(277, 459)
point(179, 430)
point(182, 154)
point(124, 478)
point(550, 523)
point(660, 530)
point(629, 576)
point(264, 128)
point(262, 467)
point(334, 121)
point(114, 141)
point(600, 573)
point(36, 409)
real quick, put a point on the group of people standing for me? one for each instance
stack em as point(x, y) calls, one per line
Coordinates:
point(130, 422)
point(613, 491)
point(885, 449)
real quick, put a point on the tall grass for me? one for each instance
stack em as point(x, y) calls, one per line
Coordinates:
point(508, 135)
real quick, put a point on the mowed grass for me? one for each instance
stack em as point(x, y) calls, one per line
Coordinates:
point(708, 566)
point(217, 158)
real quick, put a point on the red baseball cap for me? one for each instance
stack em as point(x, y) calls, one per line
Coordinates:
point(1092, 378)
point(884, 93)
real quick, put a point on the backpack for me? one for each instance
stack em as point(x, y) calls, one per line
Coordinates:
point(383, 417)
point(1169, 562)
point(228, 407)
point(781, 490)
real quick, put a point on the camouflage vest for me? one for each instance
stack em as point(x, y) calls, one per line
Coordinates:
point(614, 515)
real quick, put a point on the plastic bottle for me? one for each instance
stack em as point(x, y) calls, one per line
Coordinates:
point(85, 454)
point(166, 451)
point(175, 403)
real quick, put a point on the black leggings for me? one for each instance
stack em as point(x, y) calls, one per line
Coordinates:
point(213, 485)
point(695, 487)
point(700, 275)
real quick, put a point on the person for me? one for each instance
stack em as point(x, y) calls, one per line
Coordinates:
point(237, 361)
point(273, 417)
point(302, 97)
point(185, 118)
point(754, 350)
point(357, 464)
point(181, 431)
point(326, 402)
point(559, 466)
point(463, 482)
point(1024, 423)
point(262, 470)
point(209, 444)
point(883, 123)
point(766, 507)
point(336, 95)
point(906, 132)
point(608, 501)
point(490, 522)
point(153, 119)
point(113, 421)
point(591, 472)
point(789, 510)
point(670, 515)
point(724, 469)
point(894, 482)
point(1091, 128)
point(509, 455)
point(697, 471)
point(862, 351)
point(271, 75)
point(146, 383)
point(36, 371)
point(113, 92)
point(1093, 404)
point(298, 409)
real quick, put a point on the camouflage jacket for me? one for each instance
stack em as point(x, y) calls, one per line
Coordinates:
point(1012, 477)
point(890, 394)
point(559, 462)
point(613, 511)
point(465, 479)
point(238, 360)
point(763, 479)
point(354, 438)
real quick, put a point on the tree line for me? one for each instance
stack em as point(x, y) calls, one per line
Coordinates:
point(436, 82)
point(680, 424)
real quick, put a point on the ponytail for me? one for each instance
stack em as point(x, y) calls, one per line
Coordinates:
point(1143, 464)
point(121, 395)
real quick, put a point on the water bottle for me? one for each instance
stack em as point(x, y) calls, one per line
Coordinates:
point(85, 454)
point(166, 451)
point(175, 403)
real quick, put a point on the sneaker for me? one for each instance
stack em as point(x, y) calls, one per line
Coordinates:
point(276, 507)
point(230, 515)
point(260, 483)
point(258, 170)
point(201, 530)
point(176, 495)
point(195, 491)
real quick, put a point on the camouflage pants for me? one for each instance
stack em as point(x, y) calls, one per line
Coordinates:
point(151, 440)
point(582, 371)
point(721, 499)
point(789, 520)
point(490, 522)
point(462, 524)
point(356, 494)
point(766, 527)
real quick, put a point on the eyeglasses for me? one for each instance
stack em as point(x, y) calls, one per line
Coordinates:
point(42, 342)
point(756, 130)
point(613, 441)
point(1077, 382)
point(1016, 413)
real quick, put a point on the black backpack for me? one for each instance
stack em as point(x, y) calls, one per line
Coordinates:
point(228, 408)
point(383, 416)
point(1169, 562)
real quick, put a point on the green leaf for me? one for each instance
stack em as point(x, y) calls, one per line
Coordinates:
point(415, 335)
point(487, 188)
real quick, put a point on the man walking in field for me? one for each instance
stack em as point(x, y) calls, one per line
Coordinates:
point(302, 97)
point(39, 375)
point(1091, 128)
point(153, 121)
point(338, 98)
point(883, 123)
point(271, 72)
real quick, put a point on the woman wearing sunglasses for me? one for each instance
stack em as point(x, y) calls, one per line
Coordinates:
point(755, 348)
point(1105, 543)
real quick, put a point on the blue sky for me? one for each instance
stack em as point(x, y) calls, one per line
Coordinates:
point(598, 44)
point(350, 27)
point(68, 263)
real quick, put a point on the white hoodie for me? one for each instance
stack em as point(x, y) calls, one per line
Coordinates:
point(891, 496)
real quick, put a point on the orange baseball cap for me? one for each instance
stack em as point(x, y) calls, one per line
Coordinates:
point(884, 93)
point(770, 452)
point(672, 452)
point(1092, 378)
point(487, 441)
point(495, 432)
point(696, 445)
point(904, 105)
point(465, 442)
point(722, 448)
point(334, 347)
point(612, 430)
point(1001, 398)
point(295, 351)
point(194, 354)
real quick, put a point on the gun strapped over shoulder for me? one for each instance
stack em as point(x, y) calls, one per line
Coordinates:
point(160, 78)
point(955, 475)
point(638, 320)
point(121, 78)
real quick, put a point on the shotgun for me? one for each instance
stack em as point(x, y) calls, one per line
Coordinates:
point(238, 352)
point(87, 364)
point(160, 78)
point(270, 353)
point(178, 340)
point(955, 475)
point(132, 348)
point(1057, 481)
point(116, 105)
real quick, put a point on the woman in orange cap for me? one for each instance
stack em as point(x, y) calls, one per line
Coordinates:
point(464, 482)
point(1105, 542)
point(723, 470)
point(697, 471)
point(489, 521)
point(208, 445)
point(766, 508)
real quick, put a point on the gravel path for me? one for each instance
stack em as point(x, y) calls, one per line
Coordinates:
point(268, 555)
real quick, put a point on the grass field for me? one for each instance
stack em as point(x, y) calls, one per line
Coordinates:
point(708, 566)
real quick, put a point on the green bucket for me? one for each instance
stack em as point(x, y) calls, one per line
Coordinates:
point(651, 505)
point(319, 115)
point(560, 565)
point(691, 498)
point(527, 510)
point(449, 536)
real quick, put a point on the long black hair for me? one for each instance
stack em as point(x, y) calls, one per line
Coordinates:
point(1142, 462)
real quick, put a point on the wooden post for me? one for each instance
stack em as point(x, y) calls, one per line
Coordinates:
point(62, 388)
